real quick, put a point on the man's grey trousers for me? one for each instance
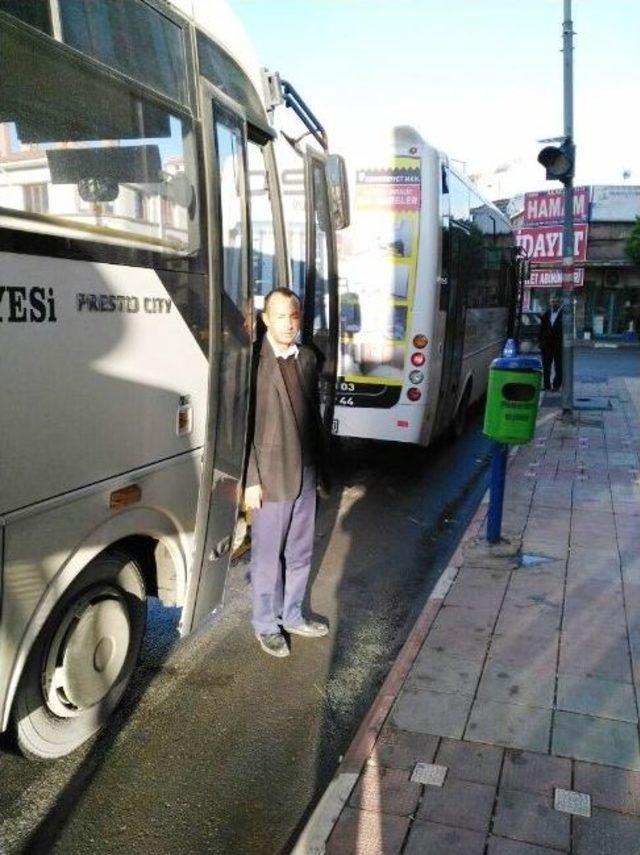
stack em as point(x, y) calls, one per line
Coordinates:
point(281, 552)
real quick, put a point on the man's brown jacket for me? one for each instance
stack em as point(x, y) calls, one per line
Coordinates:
point(275, 455)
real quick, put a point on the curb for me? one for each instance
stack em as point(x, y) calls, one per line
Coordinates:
point(312, 840)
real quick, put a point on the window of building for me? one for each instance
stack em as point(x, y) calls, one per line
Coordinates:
point(36, 198)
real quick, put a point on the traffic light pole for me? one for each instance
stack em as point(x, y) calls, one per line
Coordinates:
point(567, 232)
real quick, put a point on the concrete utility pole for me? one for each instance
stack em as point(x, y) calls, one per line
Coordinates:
point(567, 232)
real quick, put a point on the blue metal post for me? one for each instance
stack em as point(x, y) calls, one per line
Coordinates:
point(496, 495)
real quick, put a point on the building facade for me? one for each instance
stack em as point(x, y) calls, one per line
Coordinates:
point(606, 282)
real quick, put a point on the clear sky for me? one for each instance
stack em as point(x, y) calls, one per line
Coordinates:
point(481, 79)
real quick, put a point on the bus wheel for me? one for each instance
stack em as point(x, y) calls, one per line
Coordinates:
point(460, 419)
point(83, 659)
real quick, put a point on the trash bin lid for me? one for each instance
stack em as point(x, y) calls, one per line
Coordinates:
point(517, 363)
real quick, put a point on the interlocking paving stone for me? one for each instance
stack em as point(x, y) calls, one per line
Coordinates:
point(610, 662)
point(444, 673)
point(402, 749)
point(597, 593)
point(366, 833)
point(461, 804)
point(597, 740)
point(594, 696)
point(502, 846)
point(431, 712)
point(538, 773)
point(386, 791)
point(572, 802)
point(429, 774)
point(606, 832)
point(523, 650)
point(555, 548)
point(471, 620)
point(531, 686)
point(609, 787)
point(593, 564)
point(510, 725)
point(457, 643)
point(471, 761)
point(534, 620)
point(431, 837)
point(531, 818)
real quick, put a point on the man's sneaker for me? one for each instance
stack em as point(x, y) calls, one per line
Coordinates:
point(308, 628)
point(274, 644)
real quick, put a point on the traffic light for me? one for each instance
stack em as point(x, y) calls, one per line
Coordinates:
point(559, 161)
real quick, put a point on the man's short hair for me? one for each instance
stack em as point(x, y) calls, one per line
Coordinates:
point(284, 292)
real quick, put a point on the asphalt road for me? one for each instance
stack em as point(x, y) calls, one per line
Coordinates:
point(220, 749)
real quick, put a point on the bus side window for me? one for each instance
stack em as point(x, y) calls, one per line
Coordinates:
point(84, 156)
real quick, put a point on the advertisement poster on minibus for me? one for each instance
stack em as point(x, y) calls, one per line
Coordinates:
point(378, 271)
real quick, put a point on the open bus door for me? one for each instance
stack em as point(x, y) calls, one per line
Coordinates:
point(321, 316)
point(230, 354)
point(452, 301)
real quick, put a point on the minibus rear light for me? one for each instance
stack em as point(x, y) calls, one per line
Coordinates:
point(418, 359)
point(420, 341)
point(414, 394)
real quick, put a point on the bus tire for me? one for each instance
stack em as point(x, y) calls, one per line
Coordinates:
point(459, 421)
point(83, 659)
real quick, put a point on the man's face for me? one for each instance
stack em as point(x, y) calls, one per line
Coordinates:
point(282, 319)
point(555, 304)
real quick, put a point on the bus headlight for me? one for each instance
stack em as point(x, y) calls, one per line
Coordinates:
point(416, 377)
point(414, 394)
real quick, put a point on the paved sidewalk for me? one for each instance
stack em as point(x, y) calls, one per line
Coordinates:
point(512, 727)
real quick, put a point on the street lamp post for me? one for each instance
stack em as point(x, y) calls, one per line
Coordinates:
point(559, 162)
point(567, 232)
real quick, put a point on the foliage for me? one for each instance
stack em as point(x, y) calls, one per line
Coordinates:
point(632, 245)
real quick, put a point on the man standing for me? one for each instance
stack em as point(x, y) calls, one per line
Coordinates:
point(280, 486)
point(551, 343)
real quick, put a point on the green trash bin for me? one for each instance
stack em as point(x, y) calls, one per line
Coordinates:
point(512, 399)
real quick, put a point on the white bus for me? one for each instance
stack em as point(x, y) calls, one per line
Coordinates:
point(128, 260)
point(427, 294)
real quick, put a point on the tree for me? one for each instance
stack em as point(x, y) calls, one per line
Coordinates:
point(632, 244)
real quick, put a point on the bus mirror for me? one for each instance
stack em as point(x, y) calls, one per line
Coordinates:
point(98, 189)
point(339, 188)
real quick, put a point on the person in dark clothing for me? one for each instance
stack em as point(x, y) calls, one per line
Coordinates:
point(551, 343)
point(285, 450)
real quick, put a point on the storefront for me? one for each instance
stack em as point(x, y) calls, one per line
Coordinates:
point(606, 284)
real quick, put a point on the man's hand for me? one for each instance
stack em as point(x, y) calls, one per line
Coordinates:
point(253, 497)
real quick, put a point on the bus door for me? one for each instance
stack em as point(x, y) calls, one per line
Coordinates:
point(452, 301)
point(225, 142)
point(321, 318)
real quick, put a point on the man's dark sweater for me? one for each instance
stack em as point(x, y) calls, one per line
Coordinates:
point(301, 409)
